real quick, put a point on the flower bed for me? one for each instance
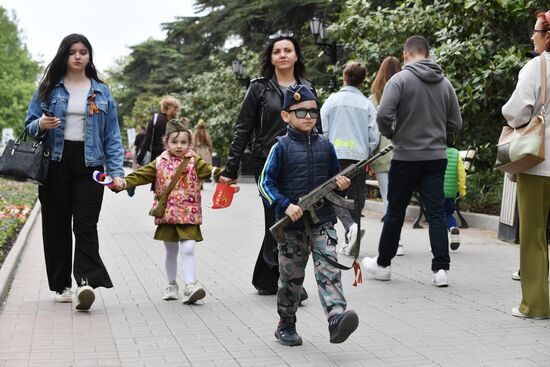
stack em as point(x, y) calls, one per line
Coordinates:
point(16, 202)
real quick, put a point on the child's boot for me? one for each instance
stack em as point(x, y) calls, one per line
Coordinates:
point(340, 326)
point(286, 334)
point(171, 292)
point(193, 292)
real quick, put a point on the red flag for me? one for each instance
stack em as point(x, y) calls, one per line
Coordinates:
point(223, 196)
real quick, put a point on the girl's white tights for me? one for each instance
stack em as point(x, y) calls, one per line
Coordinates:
point(187, 250)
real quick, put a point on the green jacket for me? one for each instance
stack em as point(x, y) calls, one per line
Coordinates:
point(455, 176)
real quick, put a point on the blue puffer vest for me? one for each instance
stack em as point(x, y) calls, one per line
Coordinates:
point(305, 165)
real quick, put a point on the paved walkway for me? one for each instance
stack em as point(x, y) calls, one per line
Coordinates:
point(404, 322)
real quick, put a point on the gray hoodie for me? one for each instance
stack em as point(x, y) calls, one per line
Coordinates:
point(418, 107)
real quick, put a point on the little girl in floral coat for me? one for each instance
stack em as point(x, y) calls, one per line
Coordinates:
point(179, 226)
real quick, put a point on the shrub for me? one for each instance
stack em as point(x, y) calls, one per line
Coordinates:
point(16, 200)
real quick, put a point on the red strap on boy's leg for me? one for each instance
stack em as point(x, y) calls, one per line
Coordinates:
point(357, 273)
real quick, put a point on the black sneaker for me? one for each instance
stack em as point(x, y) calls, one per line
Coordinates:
point(286, 334)
point(341, 326)
point(303, 295)
point(455, 238)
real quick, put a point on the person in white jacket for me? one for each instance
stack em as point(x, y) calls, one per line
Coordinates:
point(533, 185)
point(349, 121)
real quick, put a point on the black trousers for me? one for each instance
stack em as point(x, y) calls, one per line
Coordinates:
point(404, 178)
point(71, 195)
point(266, 270)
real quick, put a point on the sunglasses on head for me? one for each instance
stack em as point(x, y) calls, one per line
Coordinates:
point(301, 113)
point(280, 34)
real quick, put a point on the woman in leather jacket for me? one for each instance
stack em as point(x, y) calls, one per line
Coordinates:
point(259, 120)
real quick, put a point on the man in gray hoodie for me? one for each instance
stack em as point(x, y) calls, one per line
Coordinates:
point(418, 108)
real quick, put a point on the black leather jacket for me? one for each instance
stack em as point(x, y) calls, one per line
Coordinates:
point(259, 120)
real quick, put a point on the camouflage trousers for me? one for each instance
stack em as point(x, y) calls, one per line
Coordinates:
point(293, 257)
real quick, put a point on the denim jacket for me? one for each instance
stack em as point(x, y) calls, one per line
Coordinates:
point(102, 140)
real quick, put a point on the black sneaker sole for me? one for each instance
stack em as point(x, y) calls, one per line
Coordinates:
point(288, 344)
point(349, 323)
point(455, 245)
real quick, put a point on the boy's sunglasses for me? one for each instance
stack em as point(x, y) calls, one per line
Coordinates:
point(301, 113)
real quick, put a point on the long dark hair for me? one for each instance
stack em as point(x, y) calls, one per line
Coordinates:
point(58, 66)
point(266, 67)
point(388, 68)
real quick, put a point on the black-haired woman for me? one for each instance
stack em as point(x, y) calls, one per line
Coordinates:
point(83, 136)
point(281, 66)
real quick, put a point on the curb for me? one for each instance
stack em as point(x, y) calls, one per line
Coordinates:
point(475, 220)
point(7, 271)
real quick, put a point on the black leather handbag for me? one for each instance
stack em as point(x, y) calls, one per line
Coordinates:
point(24, 160)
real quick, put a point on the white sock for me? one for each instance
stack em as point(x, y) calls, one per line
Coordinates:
point(171, 261)
point(187, 251)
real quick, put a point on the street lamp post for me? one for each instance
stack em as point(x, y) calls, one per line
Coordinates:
point(319, 31)
point(238, 68)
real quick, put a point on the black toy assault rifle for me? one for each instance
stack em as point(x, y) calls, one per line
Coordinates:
point(325, 191)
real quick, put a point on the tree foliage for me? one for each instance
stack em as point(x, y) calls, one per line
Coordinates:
point(165, 66)
point(479, 44)
point(18, 74)
point(216, 97)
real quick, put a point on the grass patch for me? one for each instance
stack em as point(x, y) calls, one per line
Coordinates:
point(16, 202)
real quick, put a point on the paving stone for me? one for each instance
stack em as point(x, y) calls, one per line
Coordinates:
point(404, 322)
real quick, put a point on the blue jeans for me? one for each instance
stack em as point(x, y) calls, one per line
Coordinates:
point(450, 208)
point(427, 178)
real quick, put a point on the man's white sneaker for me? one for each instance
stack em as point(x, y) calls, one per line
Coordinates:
point(400, 249)
point(64, 297)
point(85, 297)
point(371, 268)
point(455, 238)
point(171, 292)
point(351, 236)
point(516, 275)
point(193, 292)
point(440, 278)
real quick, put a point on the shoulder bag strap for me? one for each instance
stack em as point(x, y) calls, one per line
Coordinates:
point(543, 83)
point(153, 134)
point(176, 177)
point(160, 208)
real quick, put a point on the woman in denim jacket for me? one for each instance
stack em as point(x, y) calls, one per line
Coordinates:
point(83, 135)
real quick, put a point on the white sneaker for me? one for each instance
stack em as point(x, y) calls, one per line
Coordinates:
point(400, 249)
point(171, 292)
point(440, 278)
point(516, 275)
point(193, 292)
point(64, 297)
point(85, 297)
point(517, 313)
point(371, 268)
point(455, 238)
point(352, 234)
